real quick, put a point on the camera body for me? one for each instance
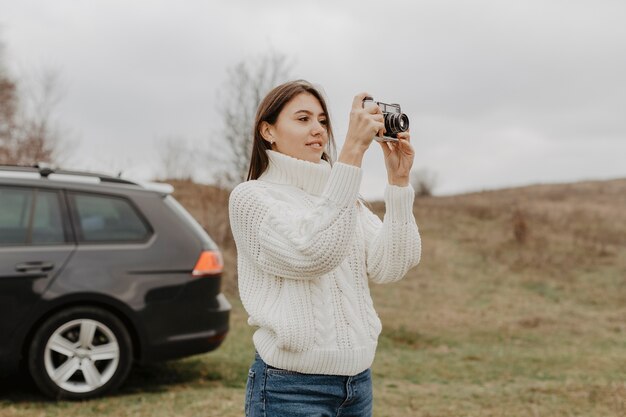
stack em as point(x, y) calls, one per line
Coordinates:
point(395, 120)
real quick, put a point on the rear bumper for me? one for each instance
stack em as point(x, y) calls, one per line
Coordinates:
point(188, 331)
point(193, 344)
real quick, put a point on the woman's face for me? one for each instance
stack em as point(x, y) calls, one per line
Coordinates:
point(300, 130)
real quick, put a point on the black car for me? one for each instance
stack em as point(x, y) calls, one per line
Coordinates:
point(97, 272)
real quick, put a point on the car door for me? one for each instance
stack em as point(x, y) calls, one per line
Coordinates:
point(35, 244)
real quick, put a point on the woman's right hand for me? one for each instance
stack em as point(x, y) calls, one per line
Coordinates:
point(365, 124)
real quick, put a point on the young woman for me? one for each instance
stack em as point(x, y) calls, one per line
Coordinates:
point(307, 248)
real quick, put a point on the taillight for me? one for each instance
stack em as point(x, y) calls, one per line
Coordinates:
point(209, 263)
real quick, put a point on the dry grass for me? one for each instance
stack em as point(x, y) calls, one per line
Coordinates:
point(518, 309)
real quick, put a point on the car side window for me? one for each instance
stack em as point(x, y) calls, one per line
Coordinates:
point(30, 217)
point(15, 207)
point(108, 219)
point(47, 224)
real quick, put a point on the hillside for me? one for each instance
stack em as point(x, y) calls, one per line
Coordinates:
point(517, 308)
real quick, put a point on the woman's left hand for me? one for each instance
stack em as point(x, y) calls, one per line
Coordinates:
point(399, 159)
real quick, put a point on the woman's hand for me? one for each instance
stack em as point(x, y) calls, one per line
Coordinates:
point(365, 124)
point(399, 159)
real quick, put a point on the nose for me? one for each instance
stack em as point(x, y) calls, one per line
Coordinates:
point(318, 128)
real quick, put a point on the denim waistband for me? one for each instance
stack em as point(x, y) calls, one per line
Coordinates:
point(258, 358)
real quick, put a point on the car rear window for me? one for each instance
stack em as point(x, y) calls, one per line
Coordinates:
point(188, 219)
point(30, 217)
point(108, 219)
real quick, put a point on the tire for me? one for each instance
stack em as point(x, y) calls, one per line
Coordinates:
point(80, 353)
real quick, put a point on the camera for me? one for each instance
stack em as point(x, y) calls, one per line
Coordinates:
point(395, 120)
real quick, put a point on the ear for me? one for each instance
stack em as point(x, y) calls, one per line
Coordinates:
point(266, 132)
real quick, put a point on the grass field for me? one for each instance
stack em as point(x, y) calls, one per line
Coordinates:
point(518, 309)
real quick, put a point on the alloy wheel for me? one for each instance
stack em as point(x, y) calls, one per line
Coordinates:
point(81, 355)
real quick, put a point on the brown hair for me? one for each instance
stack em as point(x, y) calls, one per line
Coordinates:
point(268, 111)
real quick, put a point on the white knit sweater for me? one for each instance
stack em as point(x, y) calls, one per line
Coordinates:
point(306, 249)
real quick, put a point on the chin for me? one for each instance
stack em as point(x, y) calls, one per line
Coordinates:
point(315, 159)
point(312, 157)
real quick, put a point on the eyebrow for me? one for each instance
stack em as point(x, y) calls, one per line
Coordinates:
point(309, 112)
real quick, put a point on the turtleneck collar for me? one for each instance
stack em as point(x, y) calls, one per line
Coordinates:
point(307, 176)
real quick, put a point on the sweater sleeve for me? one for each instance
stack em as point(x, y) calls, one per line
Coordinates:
point(393, 246)
point(285, 240)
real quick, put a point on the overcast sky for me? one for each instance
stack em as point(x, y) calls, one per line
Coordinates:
point(500, 93)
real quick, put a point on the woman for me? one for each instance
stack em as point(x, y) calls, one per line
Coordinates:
point(306, 249)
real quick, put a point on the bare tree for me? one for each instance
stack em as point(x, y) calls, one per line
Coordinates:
point(29, 133)
point(40, 134)
point(247, 84)
point(424, 182)
point(8, 111)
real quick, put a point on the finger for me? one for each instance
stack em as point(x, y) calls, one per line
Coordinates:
point(385, 148)
point(406, 147)
point(379, 128)
point(374, 109)
point(357, 103)
point(405, 135)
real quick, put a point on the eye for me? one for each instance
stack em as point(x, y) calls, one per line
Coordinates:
point(304, 118)
point(324, 122)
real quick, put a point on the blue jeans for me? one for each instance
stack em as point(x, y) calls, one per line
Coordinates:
point(272, 392)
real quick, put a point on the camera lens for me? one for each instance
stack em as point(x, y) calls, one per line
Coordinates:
point(396, 123)
point(404, 122)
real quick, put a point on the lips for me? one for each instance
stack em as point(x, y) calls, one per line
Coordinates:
point(316, 144)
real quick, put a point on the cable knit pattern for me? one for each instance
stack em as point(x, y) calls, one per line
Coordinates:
point(305, 251)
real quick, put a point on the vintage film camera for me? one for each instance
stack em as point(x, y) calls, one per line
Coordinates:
point(395, 120)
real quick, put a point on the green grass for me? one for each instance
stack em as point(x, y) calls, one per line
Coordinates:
point(514, 369)
point(486, 326)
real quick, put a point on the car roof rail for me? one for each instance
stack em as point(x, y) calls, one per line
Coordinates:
point(44, 170)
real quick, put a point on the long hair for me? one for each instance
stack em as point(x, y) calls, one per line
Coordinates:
point(268, 111)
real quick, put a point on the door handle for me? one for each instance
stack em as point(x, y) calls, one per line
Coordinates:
point(34, 266)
